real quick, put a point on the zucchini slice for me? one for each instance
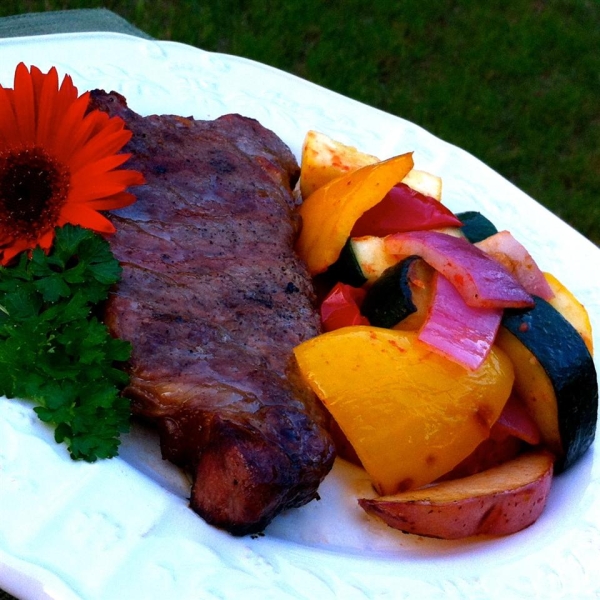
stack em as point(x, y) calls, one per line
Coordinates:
point(403, 291)
point(362, 260)
point(555, 377)
point(476, 227)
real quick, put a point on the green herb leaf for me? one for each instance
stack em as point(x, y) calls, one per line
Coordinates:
point(53, 348)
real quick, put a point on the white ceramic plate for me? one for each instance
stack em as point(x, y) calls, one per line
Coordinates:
point(122, 529)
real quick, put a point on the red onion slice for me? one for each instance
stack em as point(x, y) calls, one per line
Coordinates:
point(480, 280)
point(461, 333)
point(505, 249)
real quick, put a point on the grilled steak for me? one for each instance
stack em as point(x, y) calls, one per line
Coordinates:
point(213, 299)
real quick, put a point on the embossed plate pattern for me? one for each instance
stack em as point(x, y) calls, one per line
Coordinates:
point(122, 529)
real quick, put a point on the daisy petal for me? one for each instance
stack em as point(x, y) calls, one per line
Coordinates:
point(38, 79)
point(9, 252)
point(101, 187)
point(65, 142)
point(114, 202)
point(25, 101)
point(46, 110)
point(99, 167)
point(84, 129)
point(81, 214)
point(9, 130)
point(100, 146)
point(45, 241)
point(67, 92)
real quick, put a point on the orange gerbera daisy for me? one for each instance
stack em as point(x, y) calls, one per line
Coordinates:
point(58, 162)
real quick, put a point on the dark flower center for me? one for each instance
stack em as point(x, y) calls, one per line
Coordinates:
point(33, 189)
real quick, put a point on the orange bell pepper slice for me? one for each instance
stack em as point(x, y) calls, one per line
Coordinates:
point(330, 212)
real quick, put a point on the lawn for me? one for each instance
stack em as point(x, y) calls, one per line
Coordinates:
point(517, 84)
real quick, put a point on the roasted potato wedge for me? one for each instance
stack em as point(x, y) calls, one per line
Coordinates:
point(499, 501)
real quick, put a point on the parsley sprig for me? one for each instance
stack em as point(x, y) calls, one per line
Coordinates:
point(55, 351)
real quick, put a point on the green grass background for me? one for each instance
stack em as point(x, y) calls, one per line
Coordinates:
point(515, 83)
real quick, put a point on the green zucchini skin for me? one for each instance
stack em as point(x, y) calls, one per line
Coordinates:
point(389, 300)
point(566, 360)
point(475, 226)
point(347, 268)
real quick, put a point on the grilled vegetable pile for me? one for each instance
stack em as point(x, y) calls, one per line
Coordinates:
point(459, 375)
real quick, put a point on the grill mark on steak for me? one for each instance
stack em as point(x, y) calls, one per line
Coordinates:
point(213, 299)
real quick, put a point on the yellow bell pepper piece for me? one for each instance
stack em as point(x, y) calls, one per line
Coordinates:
point(329, 213)
point(410, 414)
point(571, 309)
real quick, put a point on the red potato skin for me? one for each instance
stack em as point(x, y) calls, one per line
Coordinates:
point(490, 453)
point(493, 512)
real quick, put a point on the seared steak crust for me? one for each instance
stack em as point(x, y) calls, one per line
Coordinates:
point(213, 299)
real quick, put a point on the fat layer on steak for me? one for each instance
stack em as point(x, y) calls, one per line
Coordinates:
point(213, 299)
